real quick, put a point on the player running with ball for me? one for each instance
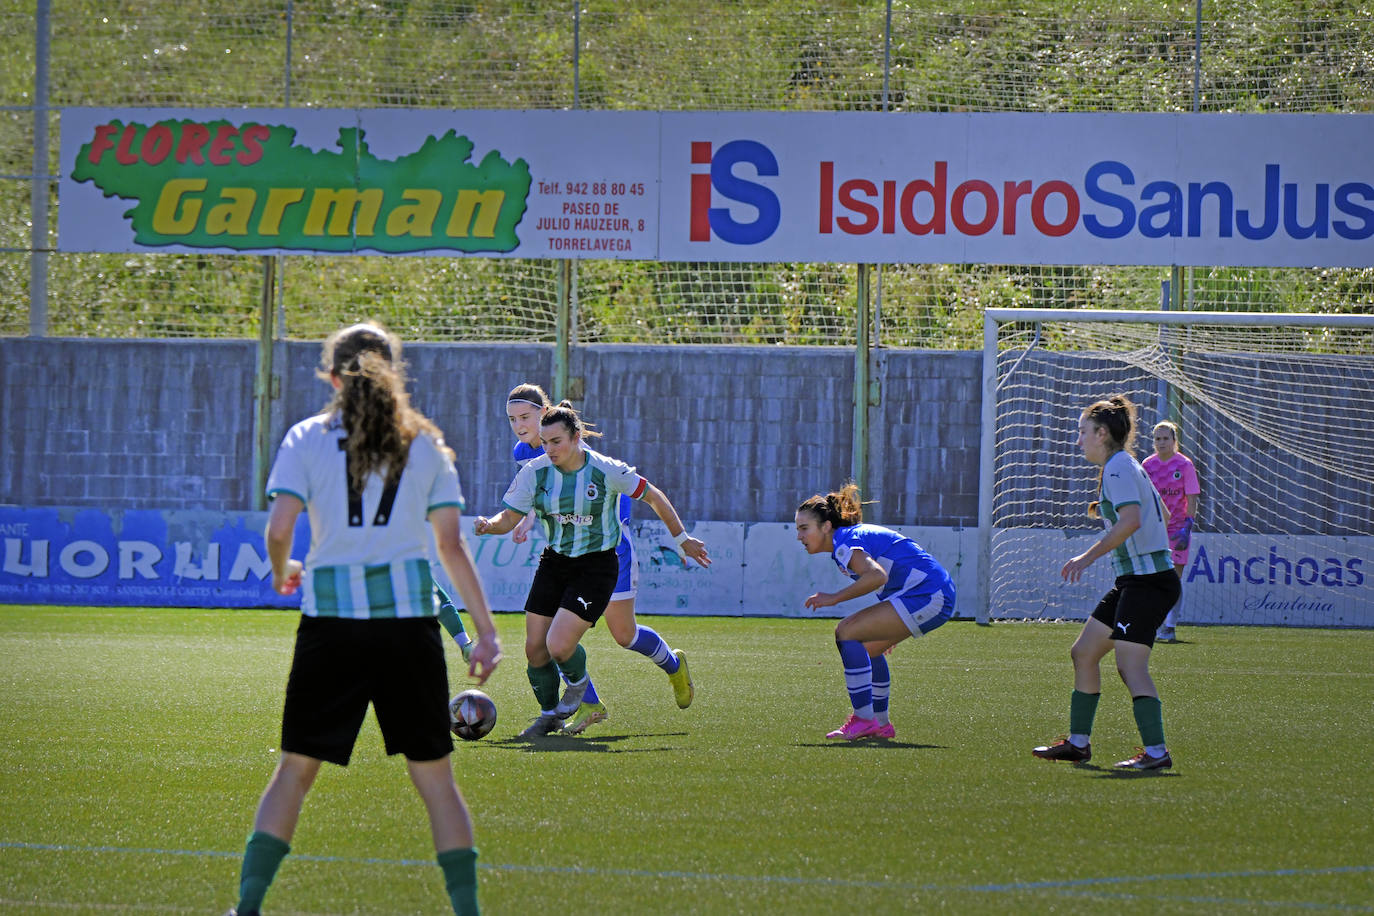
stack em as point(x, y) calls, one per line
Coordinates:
point(575, 492)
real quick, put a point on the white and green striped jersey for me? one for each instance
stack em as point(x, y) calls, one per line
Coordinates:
point(369, 552)
point(579, 509)
point(1125, 483)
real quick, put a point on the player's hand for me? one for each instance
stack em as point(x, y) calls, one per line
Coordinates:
point(521, 532)
point(696, 550)
point(482, 525)
point(1073, 570)
point(486, 655)
point(288, 581)
point(820, 600)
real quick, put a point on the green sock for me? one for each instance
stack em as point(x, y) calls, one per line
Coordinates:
point(575, 668)
point(460, 879)
point(448, 616)
point(1082, 709)
point(261, 857)
point(544, 680)
point(1149, 718)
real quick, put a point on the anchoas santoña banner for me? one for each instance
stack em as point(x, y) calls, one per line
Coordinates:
point(1056, 188)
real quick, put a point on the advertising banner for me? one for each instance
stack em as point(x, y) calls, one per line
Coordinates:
point(138, 558)
point(1279, 579)
point(1003, 188)
point(546, 184)
point(150, 558)
point(1062, 188)
point(215, 559)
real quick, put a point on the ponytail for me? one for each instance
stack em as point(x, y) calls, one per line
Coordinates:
point(841, 508)
point(1116, 414)
point(371, 402)
point(567, 415)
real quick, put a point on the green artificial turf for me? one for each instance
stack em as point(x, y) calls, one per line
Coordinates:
point(134, 745)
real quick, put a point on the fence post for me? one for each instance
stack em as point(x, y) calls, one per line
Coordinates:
point(1197, 59)
point(1162, 386)
point(563, 330)
point(262, 385)
point(862, 375)
point(987, 443)
point(38, 192)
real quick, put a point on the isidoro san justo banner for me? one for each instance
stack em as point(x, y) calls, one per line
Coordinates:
point(1059, 188)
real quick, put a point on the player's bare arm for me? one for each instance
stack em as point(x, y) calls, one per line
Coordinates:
point(498, 524)
point(871, 578)
point(663, 508)
point(281, 531)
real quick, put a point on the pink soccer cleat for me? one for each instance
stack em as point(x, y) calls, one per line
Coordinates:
point(854, 728)
point(885, 731)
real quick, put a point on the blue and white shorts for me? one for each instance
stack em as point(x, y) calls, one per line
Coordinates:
point(627, 585)
point(924, 611)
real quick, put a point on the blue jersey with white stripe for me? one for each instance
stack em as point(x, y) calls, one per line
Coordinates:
point(910, 570)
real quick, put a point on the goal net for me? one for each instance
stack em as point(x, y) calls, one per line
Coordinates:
point(1276, 413)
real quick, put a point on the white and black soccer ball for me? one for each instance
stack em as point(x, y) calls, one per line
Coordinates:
point(471, 714)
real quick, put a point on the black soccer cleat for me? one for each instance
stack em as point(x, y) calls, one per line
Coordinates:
point(1064, 749)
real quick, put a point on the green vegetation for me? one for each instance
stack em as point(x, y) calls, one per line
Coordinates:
point(136, 743)
point(982, 55)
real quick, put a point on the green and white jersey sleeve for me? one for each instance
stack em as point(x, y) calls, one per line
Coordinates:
point(1125, 483)
point(370, 551)
point(579, 510)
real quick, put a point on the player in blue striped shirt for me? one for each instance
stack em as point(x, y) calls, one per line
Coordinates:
point(1146, 587)
point(915, 595)
point(575, 493)
point(375, 476)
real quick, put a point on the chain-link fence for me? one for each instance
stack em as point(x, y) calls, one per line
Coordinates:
point(663, 55)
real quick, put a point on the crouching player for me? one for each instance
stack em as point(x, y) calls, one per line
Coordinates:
point(915, 595)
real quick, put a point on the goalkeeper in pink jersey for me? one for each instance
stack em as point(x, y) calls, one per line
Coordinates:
point(1175, 478)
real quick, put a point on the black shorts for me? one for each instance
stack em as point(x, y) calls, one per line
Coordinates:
point(341, 665)
point(583, 585)
point(1137, 605)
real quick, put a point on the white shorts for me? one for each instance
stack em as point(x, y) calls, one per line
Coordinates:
point(924, 611)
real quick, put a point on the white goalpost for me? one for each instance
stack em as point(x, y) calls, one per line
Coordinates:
point(1276, 412)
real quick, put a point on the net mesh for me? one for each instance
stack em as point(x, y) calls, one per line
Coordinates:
point(1274, 419)
point(986, 55)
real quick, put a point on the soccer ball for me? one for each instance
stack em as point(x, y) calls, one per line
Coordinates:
point(471, 715)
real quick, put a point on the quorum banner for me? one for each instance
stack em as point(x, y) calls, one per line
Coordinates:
point(1057, 188)
point(152, 558)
